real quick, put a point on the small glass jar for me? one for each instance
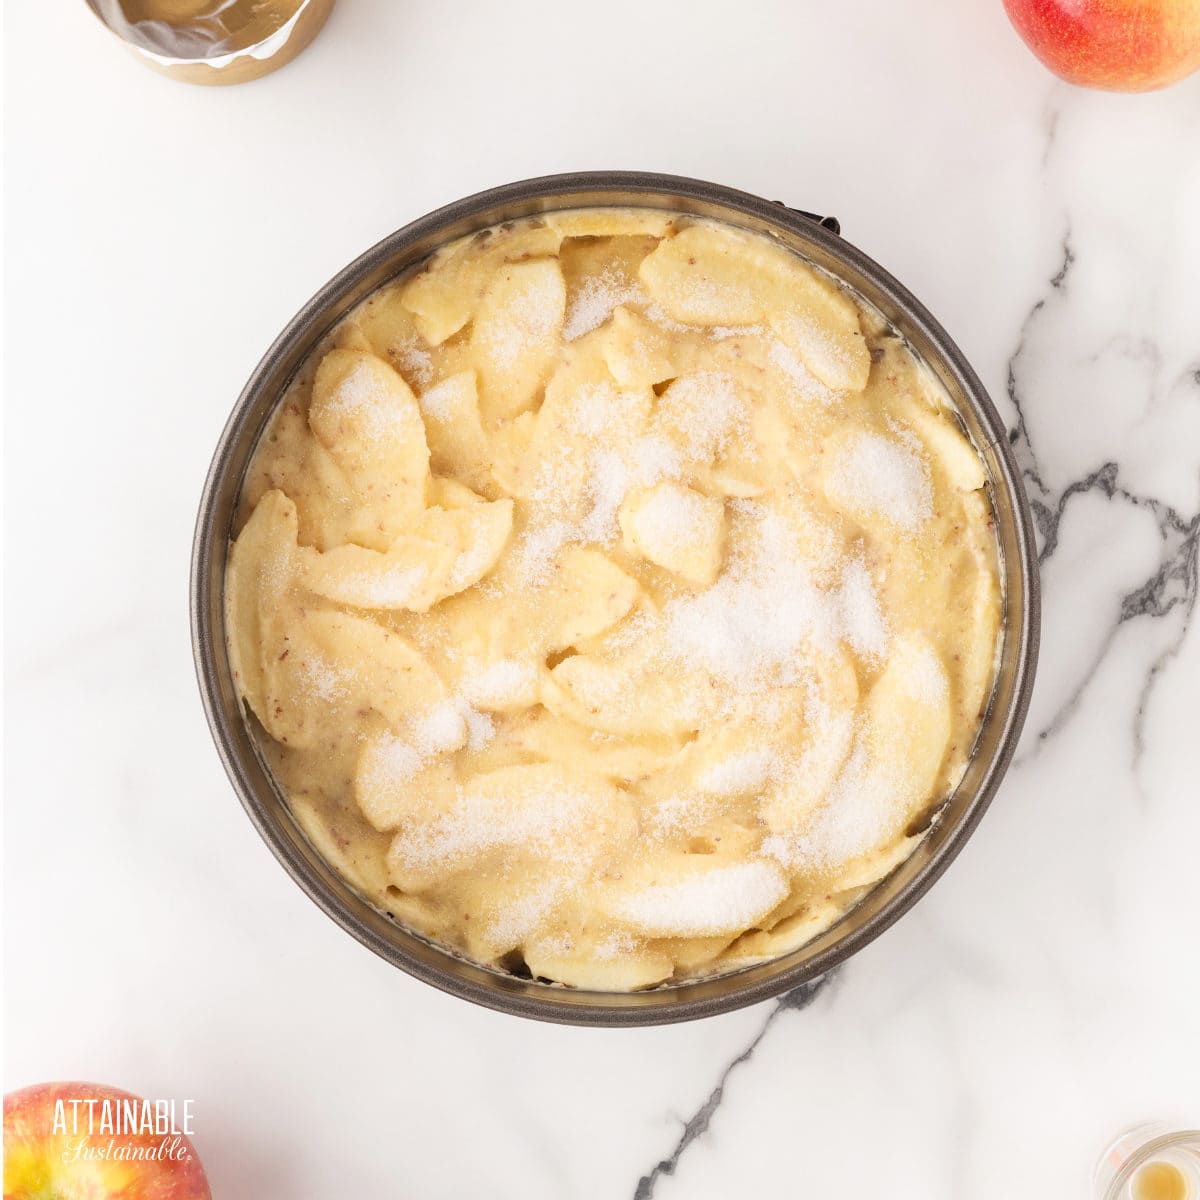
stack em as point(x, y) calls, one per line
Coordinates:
point(214, 41)
point(1150, 1162)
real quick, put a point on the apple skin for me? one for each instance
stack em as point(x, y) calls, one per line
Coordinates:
point(1117, 45)
point(34, 1168)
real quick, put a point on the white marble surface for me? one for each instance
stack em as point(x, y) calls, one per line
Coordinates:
point(1041, 997)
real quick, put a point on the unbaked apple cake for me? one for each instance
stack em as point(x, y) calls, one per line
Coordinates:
point(615, 597)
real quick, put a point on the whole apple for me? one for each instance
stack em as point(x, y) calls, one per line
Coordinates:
point(61, 1143)
point(1119, 45)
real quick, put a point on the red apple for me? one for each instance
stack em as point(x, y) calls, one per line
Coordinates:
point(58, 1145)
point(1120, 45)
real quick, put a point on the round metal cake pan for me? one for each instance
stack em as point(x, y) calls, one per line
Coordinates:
point(881, 907)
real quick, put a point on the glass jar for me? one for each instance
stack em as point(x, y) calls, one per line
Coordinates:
point(214, 41)
point(1150, 1162)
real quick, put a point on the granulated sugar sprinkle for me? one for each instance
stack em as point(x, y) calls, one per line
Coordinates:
point(599, 409)
point(616, 945)
point(708, 409)
point(802, 329)
point(366, 401)
point(875, 474)
point(325, 680)
point(439, 729)
point(654, 458)
point(394, 760)
point(438, 401)
point(859, 813)
point(758, 616)
point(765, 615)
point(538, 548)
point(468, 566)
point(681, 813)
point(530, 319)
point(608, 483)
point(389, 763)
point(669, 517)
point(480, 822)
point(926, 679)
point(741, 773)
point(522, 914)
point(416, 363)
point(803, 383)
point(862, 622)
point(723, 333)
point(393, 587)
point(593, 304)
point(500, 682)
point(608, 478)
point(706, 903)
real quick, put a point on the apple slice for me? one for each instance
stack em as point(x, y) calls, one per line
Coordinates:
point(817, 320)
point(322, 665)
point(449, 551)
point(793, 931)
point(367, 418)
point(480, 532)
point(677, 528)
point(879, 480)
point(412, 574)
point(589, 595)
point(624, 696)
point(685, 895)
point(515, 336)
point(512, 467)
point(399, 779)
point(611, 222)
point(710, 276)
point(558, 739)
point(259, 571)
point(824, 733)
point(637, 352)
point(950, 453)
point(908, 718)
point(386, 328)
point(625, 970)
point(539, 811)
point(444, 295)
point(458, 445)
point(705, 276)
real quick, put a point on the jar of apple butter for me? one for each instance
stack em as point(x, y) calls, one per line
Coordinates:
point(214, 41)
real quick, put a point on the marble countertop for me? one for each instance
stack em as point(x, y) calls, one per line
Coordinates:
point(1039, 999)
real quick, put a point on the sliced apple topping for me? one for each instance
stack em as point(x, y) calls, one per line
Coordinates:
point(677, 528)
point(449, 550)
point(367, 418)
point(444, 296)
point(515, 335)
point(688, 895)
point(703, 276)
point(637, 352)
point(458, 446)
point(623, 696)
point(716, 276)
point(539, 810)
